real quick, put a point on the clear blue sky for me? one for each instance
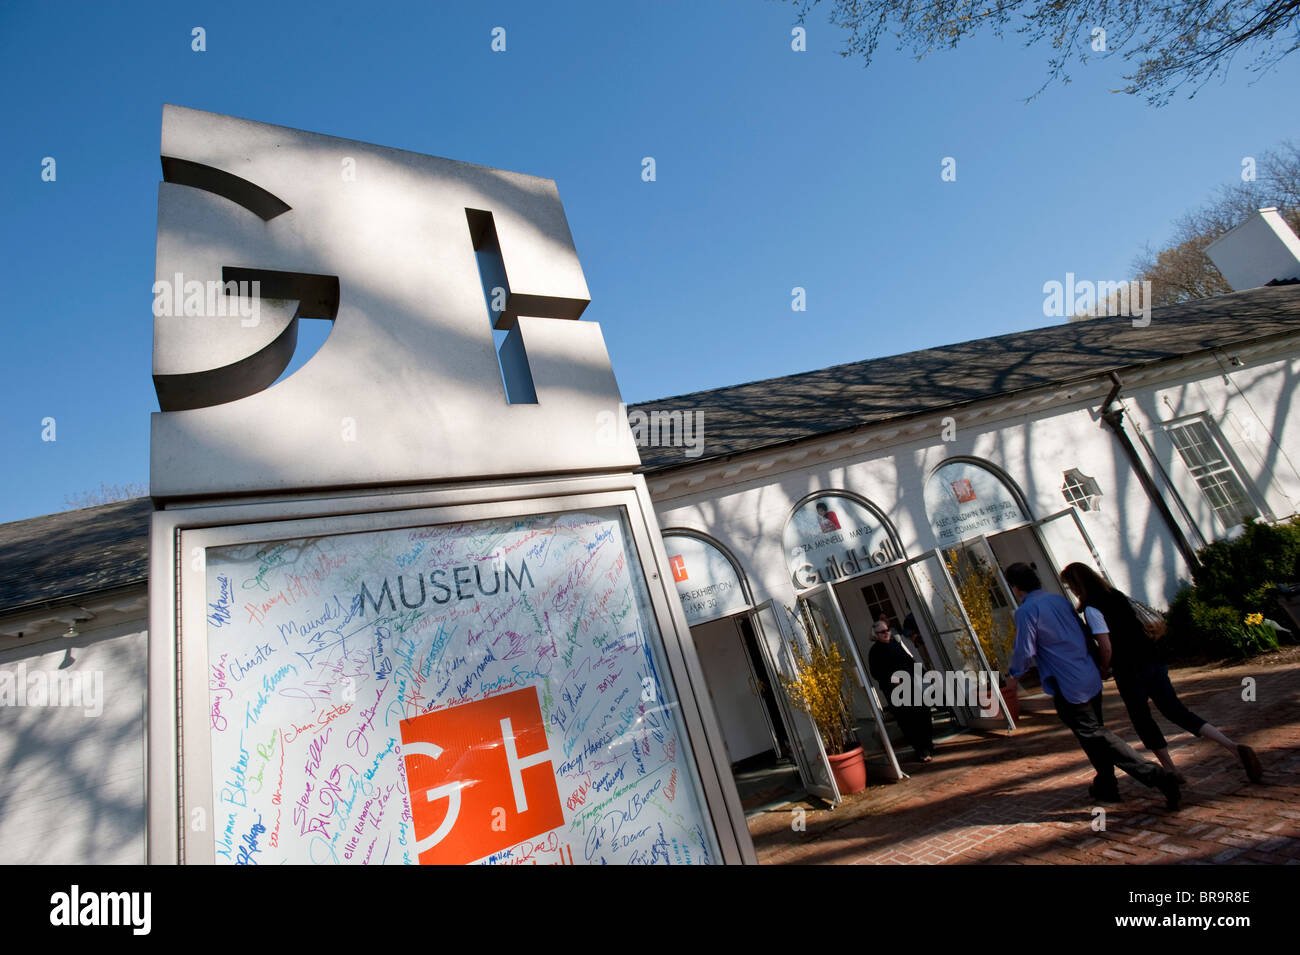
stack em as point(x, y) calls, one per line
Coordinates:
point(775, 169)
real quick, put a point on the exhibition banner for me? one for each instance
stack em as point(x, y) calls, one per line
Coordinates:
point(964, 500)
point(707, 583)
point(830, 537)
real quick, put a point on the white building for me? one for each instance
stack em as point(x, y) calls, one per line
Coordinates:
point(1128, 447)
point(1125, 447)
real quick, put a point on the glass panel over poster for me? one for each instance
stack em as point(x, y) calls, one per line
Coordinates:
point(964, 500)
point(707, 584)
point(829, 537)
point(489, 692)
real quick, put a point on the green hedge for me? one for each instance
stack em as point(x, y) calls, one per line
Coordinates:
point(1236, 578)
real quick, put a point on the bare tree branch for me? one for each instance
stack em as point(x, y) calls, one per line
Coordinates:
point(1173, 43)
point(105, 494)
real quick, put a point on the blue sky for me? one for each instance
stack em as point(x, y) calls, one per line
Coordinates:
point(775, 169)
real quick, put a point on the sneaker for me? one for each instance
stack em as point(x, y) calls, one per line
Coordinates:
point(1173, 792)
point(1104, 793)
point(1254, 772)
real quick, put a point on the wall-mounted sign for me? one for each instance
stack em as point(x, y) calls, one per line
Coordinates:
point(488, 692)
point(706, 581)
point(964, 500)
point(830, 537)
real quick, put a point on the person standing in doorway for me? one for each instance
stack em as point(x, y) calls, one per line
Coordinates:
point(907, 639)
point(891, 664)
point(1048, 632)
point(1140, 677)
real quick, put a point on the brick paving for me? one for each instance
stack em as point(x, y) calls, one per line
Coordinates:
point(1023, 799)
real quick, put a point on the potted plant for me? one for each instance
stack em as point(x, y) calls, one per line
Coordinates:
point(993, 622)
point(977, 587)
point(820, 687)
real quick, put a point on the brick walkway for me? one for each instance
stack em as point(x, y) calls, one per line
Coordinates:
point(989, 798)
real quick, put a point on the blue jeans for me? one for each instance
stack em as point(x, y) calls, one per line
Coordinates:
point(1150, 682)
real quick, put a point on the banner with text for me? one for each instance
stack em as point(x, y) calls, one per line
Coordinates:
point(830, 537)
point(964, 500)
point(707, 583)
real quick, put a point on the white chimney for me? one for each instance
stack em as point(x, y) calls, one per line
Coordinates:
point(1260, 250)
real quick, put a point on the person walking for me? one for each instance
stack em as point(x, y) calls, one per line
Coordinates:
point(892, 664)
point(1140, 676)
point(1048, 632)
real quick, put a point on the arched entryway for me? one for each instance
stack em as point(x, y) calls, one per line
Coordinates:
point(845, 562)
point(982, 524)
point(760, 736)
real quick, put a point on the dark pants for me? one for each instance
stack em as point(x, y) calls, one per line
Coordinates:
point(917, 727)
point(1151, 681)
point(1104, 749)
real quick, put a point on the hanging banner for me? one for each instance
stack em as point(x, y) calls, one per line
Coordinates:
point(707, 583)
point(490, 692)
point(964, 500)
point(830, 537)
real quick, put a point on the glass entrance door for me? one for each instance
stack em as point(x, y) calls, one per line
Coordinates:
point(985, 597)
point(1066, 540)
point(954, 635)
point(774, 642)
point(820, 610)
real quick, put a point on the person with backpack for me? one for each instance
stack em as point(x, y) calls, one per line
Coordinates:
point(1140, 676)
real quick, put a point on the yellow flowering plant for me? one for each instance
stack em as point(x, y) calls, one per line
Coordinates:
point(820, 687)
point(976, 585)
point(1255, 637)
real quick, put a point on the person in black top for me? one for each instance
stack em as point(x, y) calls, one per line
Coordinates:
point(1140, 675)
point(887, 658)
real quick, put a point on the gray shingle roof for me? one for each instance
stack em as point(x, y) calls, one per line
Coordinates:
point(777, 411)
point(86, 551)
point(103, 548)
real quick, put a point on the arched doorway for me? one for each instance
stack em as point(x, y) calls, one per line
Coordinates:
point(982, 524)
point(766, 745)
point(969, 499)
point(970, 504)
point(846, 562)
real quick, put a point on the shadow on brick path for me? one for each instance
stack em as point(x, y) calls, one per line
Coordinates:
point(1023, 799)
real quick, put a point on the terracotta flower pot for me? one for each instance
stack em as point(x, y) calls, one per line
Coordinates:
point(1012, 700)
point(849, 770)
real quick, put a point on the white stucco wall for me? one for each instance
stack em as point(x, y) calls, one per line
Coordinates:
point(1034, 449)
point(1251, 409)
point(72, 782)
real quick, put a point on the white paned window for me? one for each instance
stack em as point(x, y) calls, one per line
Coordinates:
point(1212, 471)
point(1080, 490)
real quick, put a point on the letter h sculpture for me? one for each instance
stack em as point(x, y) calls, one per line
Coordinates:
point(409, 442)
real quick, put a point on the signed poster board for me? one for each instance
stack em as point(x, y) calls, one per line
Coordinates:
point(487, 692)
